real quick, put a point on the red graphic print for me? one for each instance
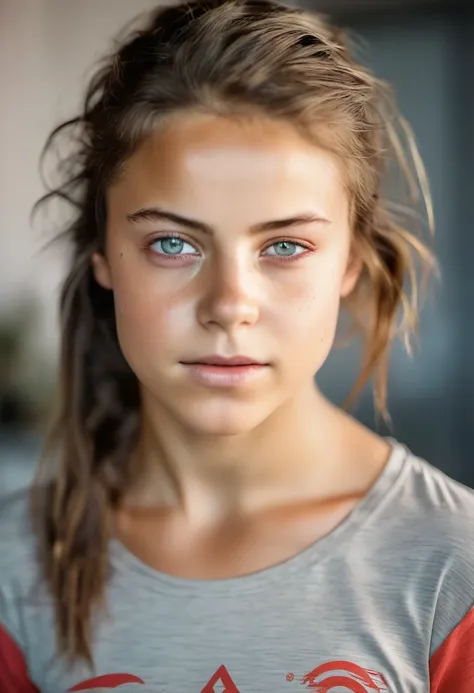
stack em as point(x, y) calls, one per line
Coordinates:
point(354, 678)
point(324, 679)
point(106, 681)
point(222, 676)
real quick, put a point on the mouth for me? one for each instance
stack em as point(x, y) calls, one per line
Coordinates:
point(222, 361)
point(226, 372)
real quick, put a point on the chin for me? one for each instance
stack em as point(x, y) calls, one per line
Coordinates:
point(223, 419)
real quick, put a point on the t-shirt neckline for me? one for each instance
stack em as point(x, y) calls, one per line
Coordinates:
point(124, 561)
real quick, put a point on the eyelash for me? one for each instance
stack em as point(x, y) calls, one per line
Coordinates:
point(173, 258)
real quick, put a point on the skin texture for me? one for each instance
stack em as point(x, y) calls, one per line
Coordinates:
point(226, 469)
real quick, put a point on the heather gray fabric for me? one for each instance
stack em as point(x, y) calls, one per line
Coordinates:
point(365, 606)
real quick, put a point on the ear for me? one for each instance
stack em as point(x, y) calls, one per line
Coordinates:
point(101, 269)
point(352, 273)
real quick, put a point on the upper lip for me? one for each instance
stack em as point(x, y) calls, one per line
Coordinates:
point(226, 361)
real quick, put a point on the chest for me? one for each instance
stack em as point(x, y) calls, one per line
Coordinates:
point(324, 637)
point(237, 548)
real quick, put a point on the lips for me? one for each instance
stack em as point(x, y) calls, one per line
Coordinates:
point(226, 361)
point(225, 372)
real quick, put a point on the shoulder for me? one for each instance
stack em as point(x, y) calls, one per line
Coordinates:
point(19, 575)
point(17, 541)
point(19, 569)
point(440, 509)
point(435, 491)
point(425, 512)
point(437, 513)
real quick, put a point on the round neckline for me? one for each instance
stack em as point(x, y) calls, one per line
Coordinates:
point(123, 560)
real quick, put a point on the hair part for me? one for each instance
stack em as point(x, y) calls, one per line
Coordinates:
point(219, 56)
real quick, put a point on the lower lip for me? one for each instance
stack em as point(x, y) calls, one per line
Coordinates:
point(224, 376)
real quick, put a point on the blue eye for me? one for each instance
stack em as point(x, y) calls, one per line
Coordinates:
point(285, 249)
point(172, 245)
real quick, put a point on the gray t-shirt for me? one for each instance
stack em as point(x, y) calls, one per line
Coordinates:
point(381, 604)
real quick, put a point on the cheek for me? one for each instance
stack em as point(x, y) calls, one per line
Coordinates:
point(148, 319)
point(312, 326)
point(311, 299)
point(307, 317)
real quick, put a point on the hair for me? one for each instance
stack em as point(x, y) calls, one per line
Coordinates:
point(223, 57)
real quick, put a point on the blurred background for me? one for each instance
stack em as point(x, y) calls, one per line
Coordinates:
point(425, 48)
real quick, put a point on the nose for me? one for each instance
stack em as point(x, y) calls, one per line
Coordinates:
point(231, 297)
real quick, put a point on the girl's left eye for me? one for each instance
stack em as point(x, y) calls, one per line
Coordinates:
point(285, 249)
point(172, 245)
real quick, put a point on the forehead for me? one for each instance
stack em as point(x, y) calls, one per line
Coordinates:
point(204, 161)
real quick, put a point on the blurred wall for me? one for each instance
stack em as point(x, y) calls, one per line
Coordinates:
point(429, 58)
point(46, 50)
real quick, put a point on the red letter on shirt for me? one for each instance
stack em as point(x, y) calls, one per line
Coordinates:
point(225, 678)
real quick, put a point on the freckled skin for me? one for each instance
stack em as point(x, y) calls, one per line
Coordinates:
point(230, 297)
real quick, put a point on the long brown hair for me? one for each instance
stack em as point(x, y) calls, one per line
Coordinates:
point(221, 56)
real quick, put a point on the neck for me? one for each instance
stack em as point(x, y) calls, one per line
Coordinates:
point(208, 478)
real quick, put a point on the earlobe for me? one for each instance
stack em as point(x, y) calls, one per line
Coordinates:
point(101, 270)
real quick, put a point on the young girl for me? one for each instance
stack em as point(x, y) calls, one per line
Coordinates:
point(207, 520)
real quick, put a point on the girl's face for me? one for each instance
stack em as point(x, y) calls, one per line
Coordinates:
point(227, 238)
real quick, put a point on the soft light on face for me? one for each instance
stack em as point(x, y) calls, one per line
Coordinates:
point(227, 238)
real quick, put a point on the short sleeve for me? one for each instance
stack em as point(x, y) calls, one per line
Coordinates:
point(452, 665)
point(13, 670)
point(16, 571)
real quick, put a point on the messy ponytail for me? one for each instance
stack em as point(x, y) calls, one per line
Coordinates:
point(221, 56)
point(92, 439)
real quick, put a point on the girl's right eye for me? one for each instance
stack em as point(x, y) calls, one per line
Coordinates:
point(172, 246)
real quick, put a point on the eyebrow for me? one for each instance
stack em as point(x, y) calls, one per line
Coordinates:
point(157, 214)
